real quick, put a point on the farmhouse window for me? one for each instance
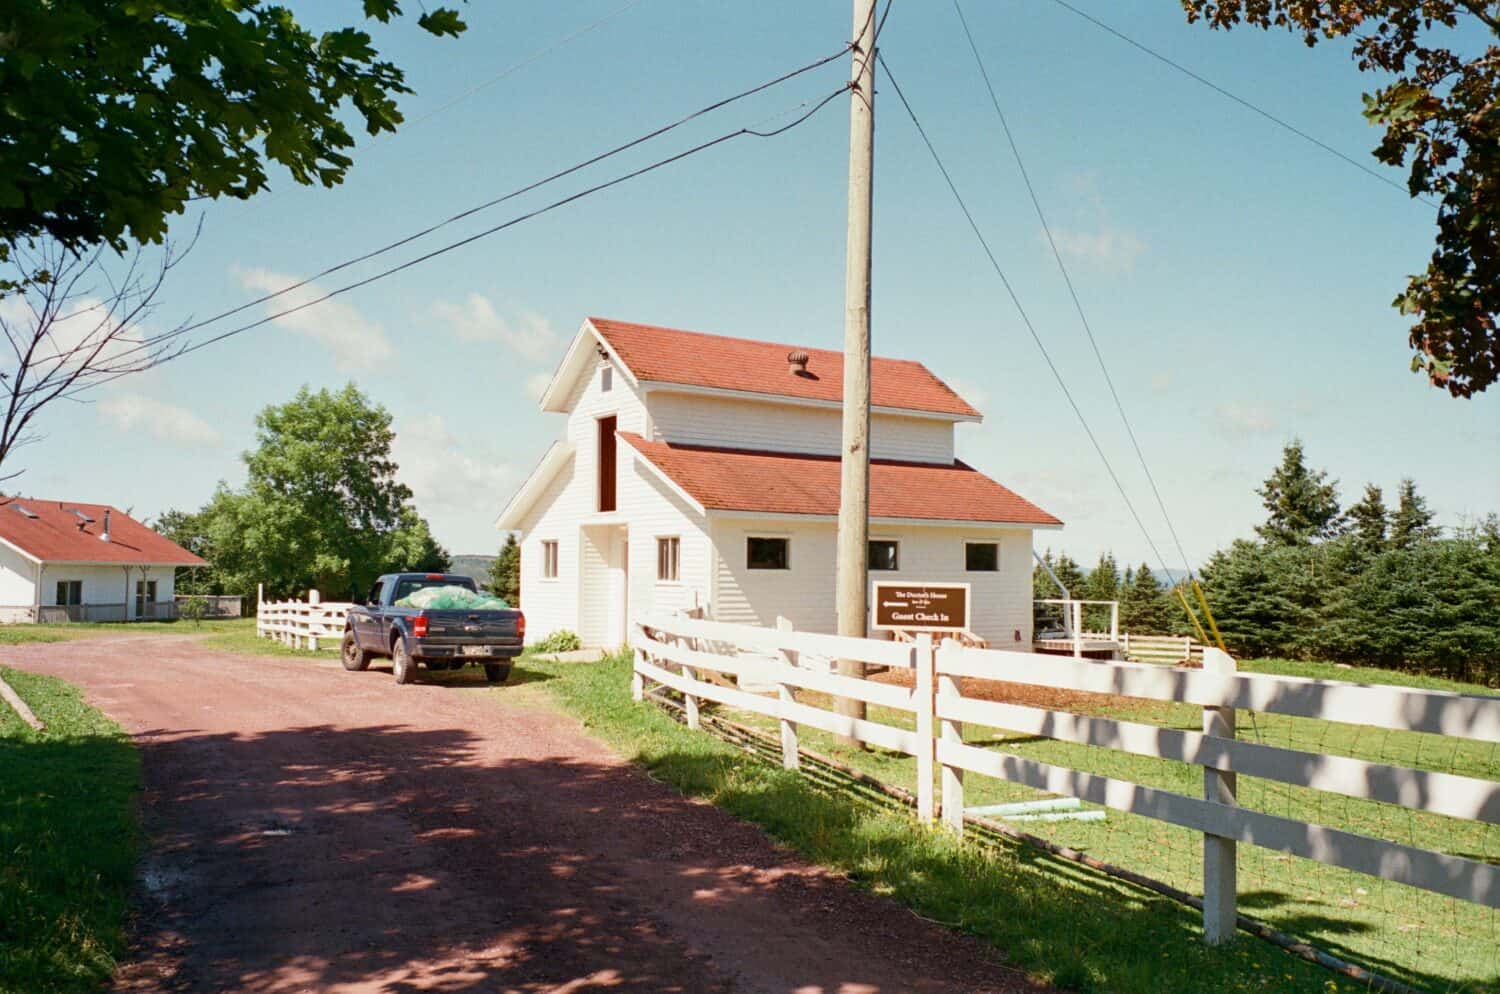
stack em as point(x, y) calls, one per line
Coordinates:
point(885, 555)
point(607, 463)
point(767, 553)
point(606, 379)
point(668, 557)
point(981, 557)
point(549, 560)
point(145, 597)
point(69, 593)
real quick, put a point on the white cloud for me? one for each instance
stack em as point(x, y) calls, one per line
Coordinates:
point(445, 479)
point(135, 412)
point(71, 337)
point(1244, 419)
point(1161, 382)
point(355, 341)
point(1109, 248)
point(973, 393)
point(536, 385)
point(476, 320)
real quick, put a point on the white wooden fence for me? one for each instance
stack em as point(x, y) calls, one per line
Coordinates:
point(310, 624)
point(760, 670)
point(1160, 648)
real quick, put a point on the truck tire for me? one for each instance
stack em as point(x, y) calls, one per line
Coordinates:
point(355, 658)
point(402, 664)
point(496, 672)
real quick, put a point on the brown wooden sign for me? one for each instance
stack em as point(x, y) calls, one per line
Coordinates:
point(921, 607)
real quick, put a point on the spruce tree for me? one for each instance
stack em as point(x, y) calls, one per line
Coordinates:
point(1411, 523)
point(1143, 604)
point(1103, 584)
point(1369, 521)
point(1302, 505)
point(505, 575)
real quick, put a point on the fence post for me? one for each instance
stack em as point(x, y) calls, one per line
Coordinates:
point(925, 707)
point(1077, 629)
point(786, 694)
point(1114, 621)
point(637, 682)
point(953, 731)
point(1218, 852)
point(314, 619)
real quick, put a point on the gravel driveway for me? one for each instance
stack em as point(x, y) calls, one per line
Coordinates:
point(310, 829)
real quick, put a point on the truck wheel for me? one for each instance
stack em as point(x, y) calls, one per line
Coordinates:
point(402, 664)
point(354, 657)
point(496, 672)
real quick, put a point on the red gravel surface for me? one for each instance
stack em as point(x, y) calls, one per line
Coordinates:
point(310, 829)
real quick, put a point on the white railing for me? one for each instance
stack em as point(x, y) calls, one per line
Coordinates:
point(1160, 648)
point(310, 624)
point(678, 653)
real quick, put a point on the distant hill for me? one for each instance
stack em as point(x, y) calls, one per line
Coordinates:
point(476, 566)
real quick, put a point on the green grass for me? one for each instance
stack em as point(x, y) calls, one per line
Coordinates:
point(239, 635)
point(68, 839)
point(1058, 922)
point(20, 634)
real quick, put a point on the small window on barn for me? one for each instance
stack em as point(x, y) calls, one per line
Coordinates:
point(606, 379)
point(981, 557)
point(668, 558)
point(767, 553)
point(549, 560)
point(69, 593)
point(885, 555)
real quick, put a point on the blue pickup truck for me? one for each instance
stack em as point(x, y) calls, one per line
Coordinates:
point(434, 638)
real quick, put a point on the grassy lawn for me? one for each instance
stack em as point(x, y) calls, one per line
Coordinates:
point(68, 838)
point(1062, 924)
point(18, 634)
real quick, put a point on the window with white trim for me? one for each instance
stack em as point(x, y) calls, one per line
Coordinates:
point(764, 552)
point(668, 558)
point(982, 557)
point(549, 559)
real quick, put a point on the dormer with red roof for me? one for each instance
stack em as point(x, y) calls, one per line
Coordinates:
point(702, 470)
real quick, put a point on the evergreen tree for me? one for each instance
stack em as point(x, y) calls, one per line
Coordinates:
point(1144, 609)
point(1070, 574)
point(1411, 523)
point(1302, 505)
point(1368, 521)
point(505, 575)
point(1103, 584)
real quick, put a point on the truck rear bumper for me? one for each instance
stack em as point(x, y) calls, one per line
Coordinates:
point(424, 649)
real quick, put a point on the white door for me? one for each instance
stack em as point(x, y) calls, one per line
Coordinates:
point(619, 588)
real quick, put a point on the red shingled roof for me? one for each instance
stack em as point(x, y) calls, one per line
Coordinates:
point(790, 483)
point(691, 358)
point(57, 535)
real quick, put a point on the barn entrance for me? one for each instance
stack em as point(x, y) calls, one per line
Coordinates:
point(604, 605)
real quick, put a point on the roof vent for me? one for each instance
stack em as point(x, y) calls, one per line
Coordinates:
point(83, 519)
point(797, 362)
point(24, 510)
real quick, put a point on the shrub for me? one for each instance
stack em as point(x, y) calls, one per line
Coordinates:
point(560, 641)
point(194, 609)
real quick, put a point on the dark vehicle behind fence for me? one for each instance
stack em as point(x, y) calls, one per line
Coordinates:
point(439, 639)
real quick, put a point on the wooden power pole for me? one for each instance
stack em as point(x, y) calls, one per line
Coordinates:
point(854, 490)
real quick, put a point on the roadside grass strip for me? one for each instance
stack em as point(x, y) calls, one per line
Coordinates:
point(21, 634)
point(1058, 922)
point(68, 841)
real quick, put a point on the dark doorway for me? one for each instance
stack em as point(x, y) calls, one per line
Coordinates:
point(607, 463)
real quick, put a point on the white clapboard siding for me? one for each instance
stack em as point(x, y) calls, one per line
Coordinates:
point(1438, 793)
point(1402, 708)
point(1466, 879)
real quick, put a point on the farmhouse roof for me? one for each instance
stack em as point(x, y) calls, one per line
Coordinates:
point(792, 483)
point(52, 531)
point(699, 361)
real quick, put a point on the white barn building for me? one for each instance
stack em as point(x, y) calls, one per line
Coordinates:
point(66, 561)
point(703, 471)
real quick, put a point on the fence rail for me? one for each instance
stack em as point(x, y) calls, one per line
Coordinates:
point(761, 670)
point(310, 624)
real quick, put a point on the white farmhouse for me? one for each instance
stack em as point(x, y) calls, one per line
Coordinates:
point(61, 561)
point(703, 471)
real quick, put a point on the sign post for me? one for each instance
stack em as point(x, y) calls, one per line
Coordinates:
point(921, 607)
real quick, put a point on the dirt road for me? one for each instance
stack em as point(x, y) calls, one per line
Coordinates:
point(310, 829)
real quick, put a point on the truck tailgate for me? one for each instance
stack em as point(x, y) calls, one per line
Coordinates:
point(471, 627)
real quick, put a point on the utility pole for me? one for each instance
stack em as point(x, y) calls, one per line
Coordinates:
point(854, 489)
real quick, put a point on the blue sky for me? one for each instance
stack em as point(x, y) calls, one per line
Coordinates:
point(1238, 279)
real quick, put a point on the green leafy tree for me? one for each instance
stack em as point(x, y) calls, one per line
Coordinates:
point(1369, 521)
point(1439, 104)
point(505, 575)
point(322, 506)
point(186, 528)
point(1302, 505)
point(1144, 608)
point(1412, 521)
point(118, 115)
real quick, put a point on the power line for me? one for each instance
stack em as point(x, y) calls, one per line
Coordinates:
point(1068, 280)
point(1021, 310)
point(1279, 122)
point(512, 222)
point(478, 208)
